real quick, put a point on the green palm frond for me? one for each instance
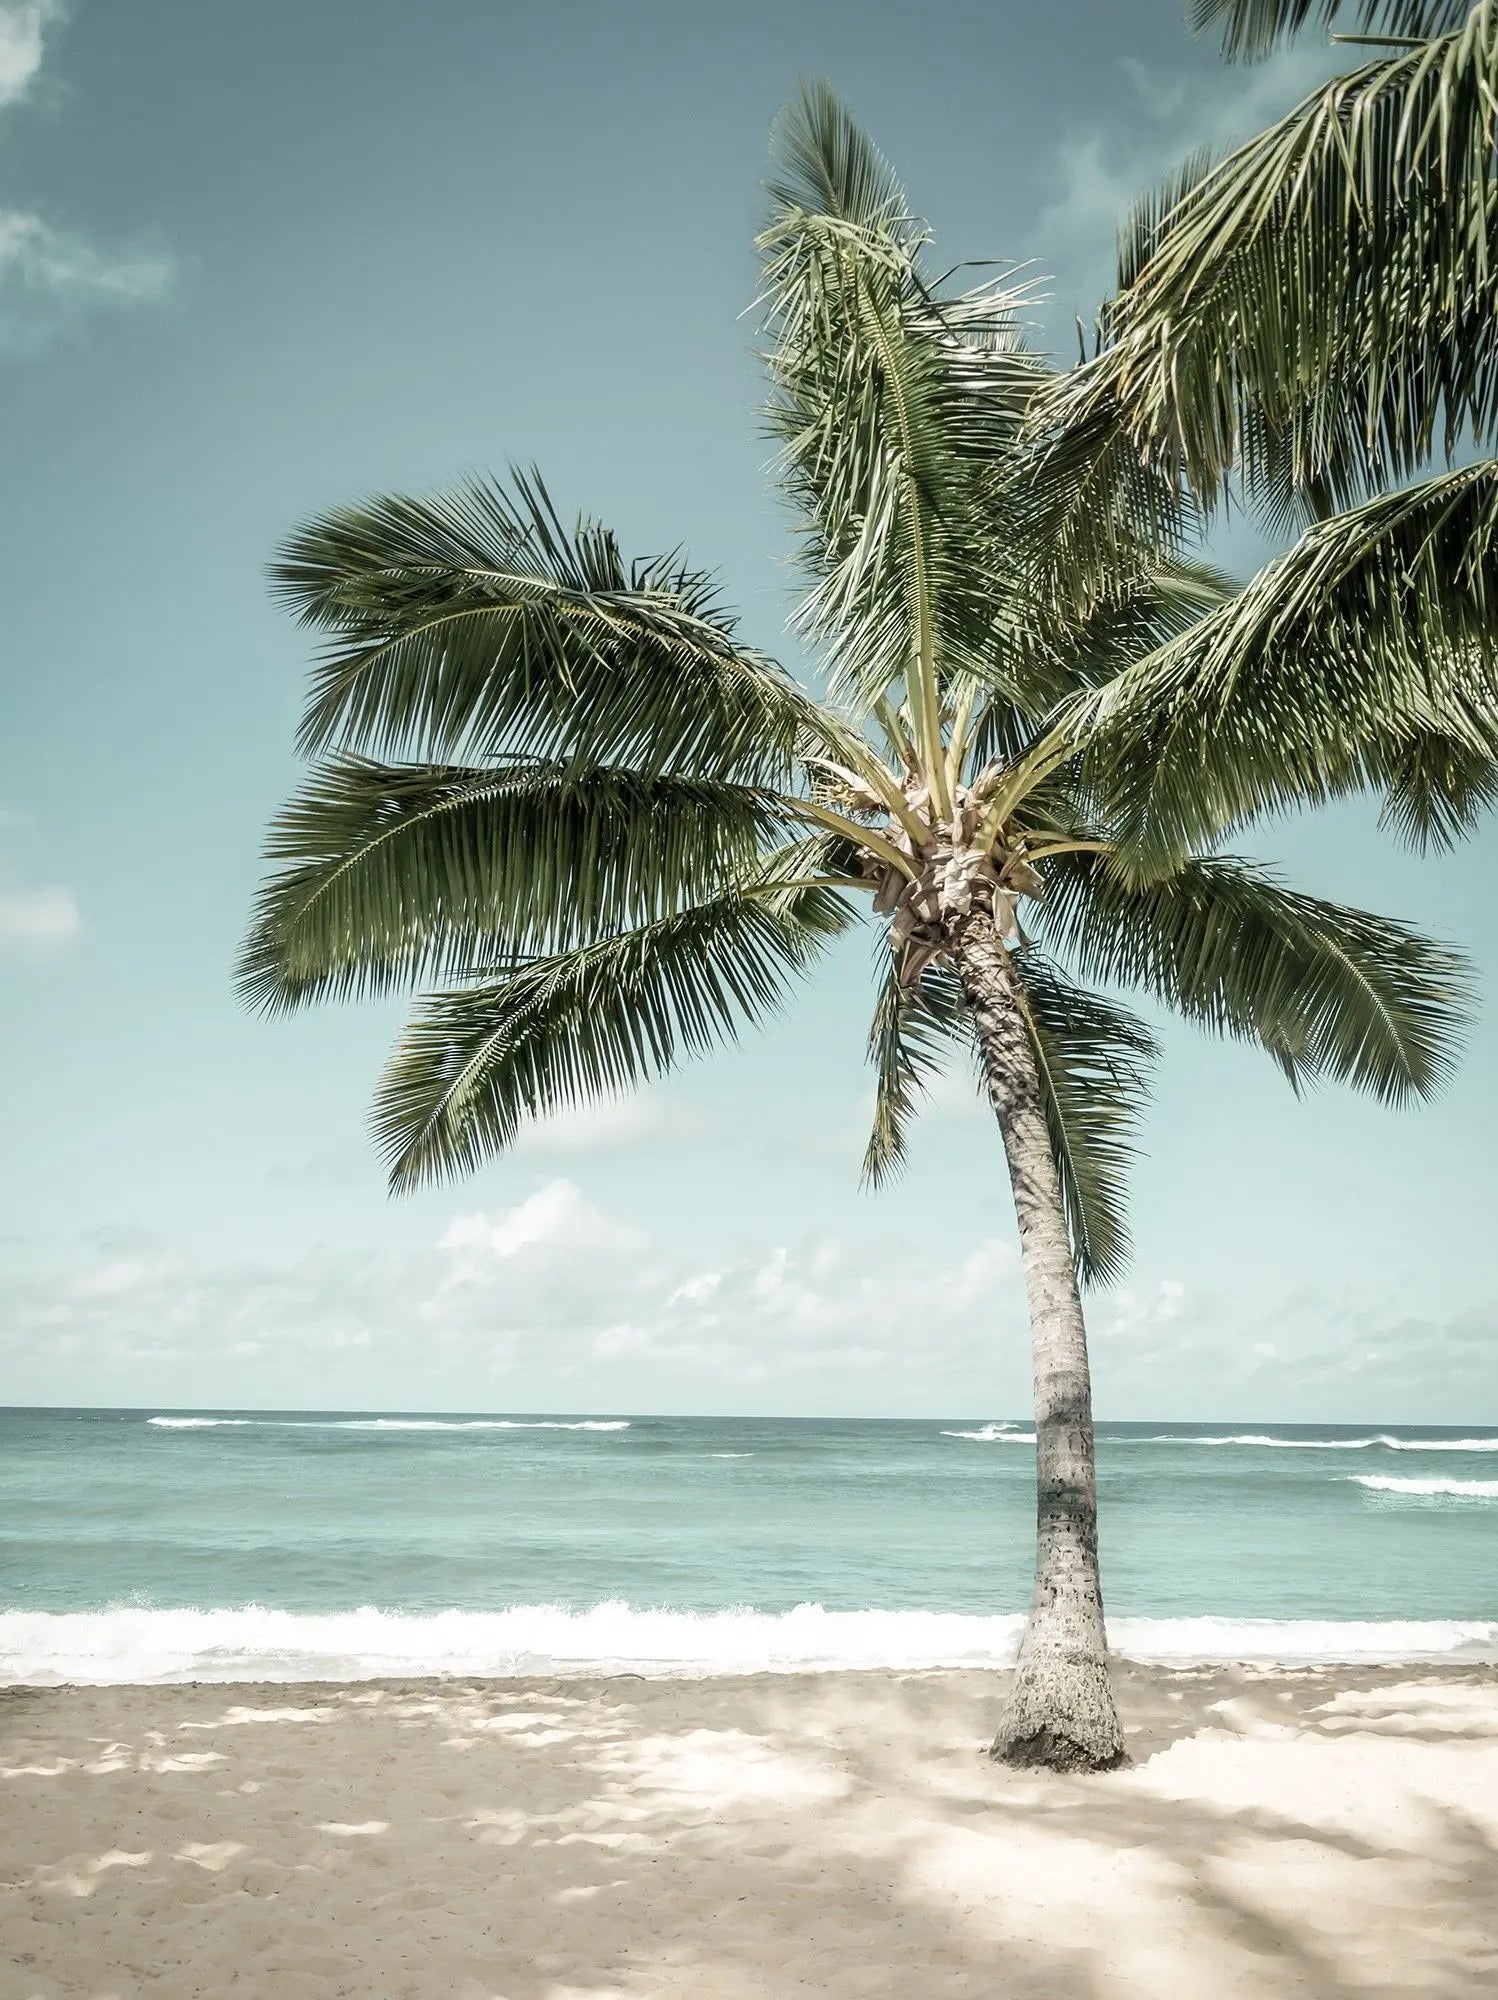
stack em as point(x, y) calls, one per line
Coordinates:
point(826, 164)
point(1252, 28)
point(395, 874)
point(1095, 1060)
point(567, 1028)
point(1328, 992)
point(1093, 508)
point(1054, 657)
point(1321, 308)
point(1328, 672)
point(473, 626)
point(911, 1040)
point(898, 411)
point(1438, 792)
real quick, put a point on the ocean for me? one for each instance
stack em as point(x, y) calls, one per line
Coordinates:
point(152, 1546)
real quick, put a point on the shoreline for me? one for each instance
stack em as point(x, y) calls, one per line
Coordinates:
point(1126, 1672)
point(1319, 1831)
point(135, 1646)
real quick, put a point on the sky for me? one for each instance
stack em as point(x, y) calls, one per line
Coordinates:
point(257, 261)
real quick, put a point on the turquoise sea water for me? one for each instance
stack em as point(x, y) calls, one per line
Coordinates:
point(142, 1545)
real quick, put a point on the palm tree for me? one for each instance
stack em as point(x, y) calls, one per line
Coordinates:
point(1308, 324)
point(560, 791)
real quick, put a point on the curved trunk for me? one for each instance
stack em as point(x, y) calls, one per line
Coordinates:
point(1061, 1711)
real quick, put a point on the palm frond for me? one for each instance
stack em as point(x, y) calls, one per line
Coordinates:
point(473, 625)
point(897, 410)
point(394, 874)
point(1094, 509)
point(825, 164)
point(1321, 308)
point(1326, 991)
point(1253, 28)
point(911, 1039)
point(1362, 658)
point(1095, 1060)
point(570, 1027)
point(1055, 656)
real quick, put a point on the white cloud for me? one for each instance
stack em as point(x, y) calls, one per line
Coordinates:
point(828, 1307)
point(49, 276)
point(37, 258)
point(555, 1302)
point(556, 1218)
point(36, 922)
point(1129, 1315)
point(23, 26)
point(551, 1290)
point(643, 1119)
point(1102, 169)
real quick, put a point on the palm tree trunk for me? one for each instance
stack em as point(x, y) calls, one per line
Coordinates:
point(1061, 1711)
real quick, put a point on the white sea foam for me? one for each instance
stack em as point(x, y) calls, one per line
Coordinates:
point(1440, 1444)
point(387, 1424)
point(1006, 1433)
point(1454, 1489)
point(1381, 1439)
point(197, 1423)
point(128, 1645)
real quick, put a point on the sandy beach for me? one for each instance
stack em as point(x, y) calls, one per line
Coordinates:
point(1325, 1833)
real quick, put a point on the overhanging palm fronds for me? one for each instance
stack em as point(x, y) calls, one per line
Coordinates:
point(1364, 657)
point(476, 625)
point(1328, 992)
point(573, 1026)
point(1095, 1061)
point(916, 1030)
point(392, 875)
point(1254, 27)
point(1321, 308)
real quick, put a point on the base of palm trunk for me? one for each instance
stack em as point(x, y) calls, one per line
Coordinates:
point(1061, 1715)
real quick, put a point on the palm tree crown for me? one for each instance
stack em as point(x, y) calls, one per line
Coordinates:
point(563, 794)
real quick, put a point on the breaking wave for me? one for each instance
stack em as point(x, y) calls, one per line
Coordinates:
point(1452, 1489)
point(1341, 1445)
point(386, 1424)
point(134, 1646)
point(1007, 1433)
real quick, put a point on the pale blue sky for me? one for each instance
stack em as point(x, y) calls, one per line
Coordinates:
point(255, 261)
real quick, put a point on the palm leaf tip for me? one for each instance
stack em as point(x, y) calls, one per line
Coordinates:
point(1328, 992)
point(1095, 1061)
point(1252, 29)
point(477, 1063)
point(473, 625)
point(912, 1036)
point(824, 164)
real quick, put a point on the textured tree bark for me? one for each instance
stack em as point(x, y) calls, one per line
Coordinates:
point(1061, 1712)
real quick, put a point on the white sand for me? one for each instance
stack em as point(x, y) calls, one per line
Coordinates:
point(1329, 1834)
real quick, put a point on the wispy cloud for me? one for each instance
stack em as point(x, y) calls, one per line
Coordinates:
point(553, 1300)
point(552, 1291)
point(1163, 118)
point(49, 275)
point(23, 27)
point(647, 1118)
point(35, 922)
